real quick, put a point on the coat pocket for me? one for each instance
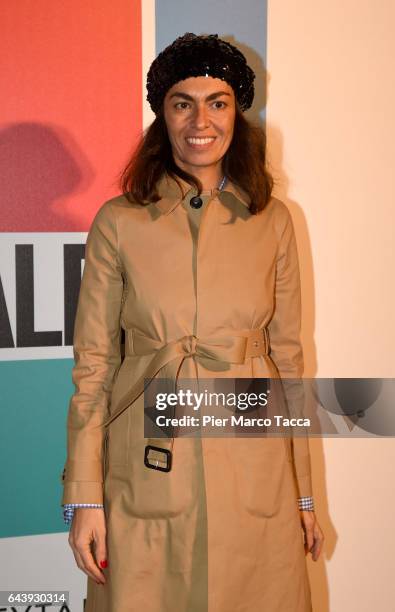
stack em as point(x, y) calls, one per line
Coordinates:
point(259, 476)
point(156, 494)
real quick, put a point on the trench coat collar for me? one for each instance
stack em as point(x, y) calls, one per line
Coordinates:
point(171, 195)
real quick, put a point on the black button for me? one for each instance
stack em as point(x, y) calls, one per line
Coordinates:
point(196, 202)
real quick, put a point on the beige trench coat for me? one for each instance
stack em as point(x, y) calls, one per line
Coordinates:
point(221, 531)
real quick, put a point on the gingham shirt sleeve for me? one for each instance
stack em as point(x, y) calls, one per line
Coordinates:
point(68, 510)
point(306, 503)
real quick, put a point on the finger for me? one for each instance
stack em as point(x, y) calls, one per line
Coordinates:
point(100, 551)
point(309, 538)
point(318, 544)
point(81, 566)
point(315, 551)
point(89, 564)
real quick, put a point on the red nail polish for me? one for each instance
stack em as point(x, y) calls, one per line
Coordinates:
point(103, 564)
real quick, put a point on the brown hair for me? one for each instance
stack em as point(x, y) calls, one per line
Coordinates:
point(244, 163)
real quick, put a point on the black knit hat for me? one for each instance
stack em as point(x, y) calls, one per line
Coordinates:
point(191, 55)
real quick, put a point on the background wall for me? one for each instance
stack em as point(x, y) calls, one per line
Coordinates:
point(74, 74)
point(331, 137)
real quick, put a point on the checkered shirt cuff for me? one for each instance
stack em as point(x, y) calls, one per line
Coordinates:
point(306, 503)
point(68, 511)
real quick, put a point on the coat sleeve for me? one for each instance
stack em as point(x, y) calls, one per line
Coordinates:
point(97, 357)
point(286, 348)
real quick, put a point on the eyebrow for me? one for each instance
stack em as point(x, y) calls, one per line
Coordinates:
point(180, 94)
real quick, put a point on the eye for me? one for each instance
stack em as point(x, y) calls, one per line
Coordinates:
point(220, 102)
point(177, 105)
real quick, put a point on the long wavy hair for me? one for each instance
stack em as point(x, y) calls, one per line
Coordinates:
point(244, 163)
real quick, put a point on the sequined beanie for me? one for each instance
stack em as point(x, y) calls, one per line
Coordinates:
point(191, 55)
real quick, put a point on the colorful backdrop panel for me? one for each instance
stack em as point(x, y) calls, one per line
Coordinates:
point(74, 108)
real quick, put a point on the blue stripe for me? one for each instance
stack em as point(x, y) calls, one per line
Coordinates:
point(243, 24)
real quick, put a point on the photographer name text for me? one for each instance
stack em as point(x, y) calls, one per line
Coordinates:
point(234, 421)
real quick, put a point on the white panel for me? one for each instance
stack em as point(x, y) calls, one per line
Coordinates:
point(148, 53)
point(48, 288)
point(42, 562)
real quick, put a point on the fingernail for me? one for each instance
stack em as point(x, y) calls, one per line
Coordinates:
point(103, 563)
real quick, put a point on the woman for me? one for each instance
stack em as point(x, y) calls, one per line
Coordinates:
point(198, 264)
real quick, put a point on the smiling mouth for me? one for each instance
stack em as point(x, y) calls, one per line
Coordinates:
point(200, 142)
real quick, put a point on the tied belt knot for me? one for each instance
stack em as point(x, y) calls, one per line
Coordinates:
point(231, 348)
point(235, 348)
point(189, 345)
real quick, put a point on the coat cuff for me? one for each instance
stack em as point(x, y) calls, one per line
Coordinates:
point(304, 486)
point(91, 471)
point(302, 463)
point(78, 492)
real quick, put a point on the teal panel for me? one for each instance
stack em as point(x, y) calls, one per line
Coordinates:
point(34, 403)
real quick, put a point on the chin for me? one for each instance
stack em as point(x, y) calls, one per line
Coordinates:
point(201, 158)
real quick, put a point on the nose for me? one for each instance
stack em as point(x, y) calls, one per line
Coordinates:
point(201, 119)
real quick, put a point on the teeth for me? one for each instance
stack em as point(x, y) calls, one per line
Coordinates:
point(200, 140)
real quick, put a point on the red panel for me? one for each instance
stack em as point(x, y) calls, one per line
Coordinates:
point(71, 108)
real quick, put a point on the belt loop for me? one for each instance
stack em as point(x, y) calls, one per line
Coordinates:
point(267, 341)
point(129, 348)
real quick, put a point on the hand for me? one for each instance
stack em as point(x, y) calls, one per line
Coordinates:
point(89, 526)
point(313, 536)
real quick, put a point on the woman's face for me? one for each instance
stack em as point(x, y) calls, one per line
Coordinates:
point(199, 114)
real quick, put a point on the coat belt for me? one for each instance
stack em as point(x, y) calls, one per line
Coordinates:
point(235, 348)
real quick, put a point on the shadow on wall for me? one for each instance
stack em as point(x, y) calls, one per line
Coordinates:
point(42, 167)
